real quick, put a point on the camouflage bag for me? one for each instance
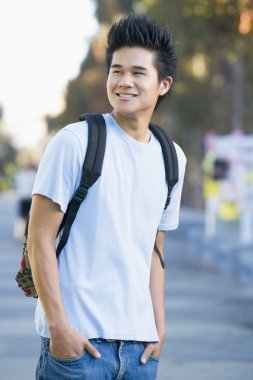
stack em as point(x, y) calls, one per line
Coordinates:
point(24, 276)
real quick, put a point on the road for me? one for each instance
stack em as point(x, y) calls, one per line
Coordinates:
point(209, 314)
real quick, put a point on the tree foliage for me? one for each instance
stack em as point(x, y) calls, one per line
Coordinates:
point(7, 158)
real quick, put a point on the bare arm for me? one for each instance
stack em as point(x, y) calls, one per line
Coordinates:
point(45, 220)
point(157, 288)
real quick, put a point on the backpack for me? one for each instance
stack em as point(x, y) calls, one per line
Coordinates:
point(91, 171)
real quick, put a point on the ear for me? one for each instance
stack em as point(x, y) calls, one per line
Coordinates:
point(165, 85)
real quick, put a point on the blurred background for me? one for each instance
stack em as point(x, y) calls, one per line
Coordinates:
point(51, 71)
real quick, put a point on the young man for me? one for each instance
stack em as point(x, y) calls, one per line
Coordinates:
point(100, 311)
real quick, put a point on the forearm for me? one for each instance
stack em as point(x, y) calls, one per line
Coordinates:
point(45, 219)
point(157, 287)
point(46, 279)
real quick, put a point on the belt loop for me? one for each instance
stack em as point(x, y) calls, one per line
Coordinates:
point(45, 342)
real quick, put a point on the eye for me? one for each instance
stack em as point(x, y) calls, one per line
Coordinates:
point(138, 73)
point(116, 72)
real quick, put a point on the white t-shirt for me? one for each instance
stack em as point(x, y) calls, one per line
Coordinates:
point(105, 267)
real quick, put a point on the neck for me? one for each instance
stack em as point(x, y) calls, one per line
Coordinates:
point(136, 127)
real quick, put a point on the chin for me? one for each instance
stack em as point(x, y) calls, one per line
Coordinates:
point(126, 108)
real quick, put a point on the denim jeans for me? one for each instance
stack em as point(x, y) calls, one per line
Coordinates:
point(120, 359)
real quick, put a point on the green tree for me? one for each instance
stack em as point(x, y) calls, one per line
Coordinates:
point(215, 87)
point(8, 155)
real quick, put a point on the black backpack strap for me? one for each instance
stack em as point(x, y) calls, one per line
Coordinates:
point(169, 156)
point(171, 168)
point(92, 168)
point(159, 253)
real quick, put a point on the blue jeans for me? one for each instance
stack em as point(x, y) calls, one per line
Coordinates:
point(120, 359)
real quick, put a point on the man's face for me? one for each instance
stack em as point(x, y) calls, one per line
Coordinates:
point(132, 84)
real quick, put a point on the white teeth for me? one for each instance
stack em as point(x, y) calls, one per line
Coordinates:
point(126, 96)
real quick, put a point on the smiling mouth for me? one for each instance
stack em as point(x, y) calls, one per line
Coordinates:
point(125, 96)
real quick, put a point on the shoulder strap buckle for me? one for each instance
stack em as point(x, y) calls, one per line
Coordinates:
point(81, 193)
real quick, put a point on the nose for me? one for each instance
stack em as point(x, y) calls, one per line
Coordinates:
point(125, 81)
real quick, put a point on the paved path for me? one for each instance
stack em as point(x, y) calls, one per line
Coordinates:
point(209, 315)
point(19, 344)
point(209, 321)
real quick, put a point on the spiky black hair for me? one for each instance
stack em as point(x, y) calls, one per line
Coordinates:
point(141, 31)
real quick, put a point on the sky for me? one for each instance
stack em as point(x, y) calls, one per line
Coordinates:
point(43, 43)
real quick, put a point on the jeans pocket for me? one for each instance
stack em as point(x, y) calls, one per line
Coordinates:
point(67, 360)
point(151, 356)
point(154, 358)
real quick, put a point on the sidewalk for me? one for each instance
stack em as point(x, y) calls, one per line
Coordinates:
point(19, 344)
point(209, 314)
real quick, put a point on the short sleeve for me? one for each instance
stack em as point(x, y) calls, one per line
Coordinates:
point(60, 169)
point(170, 217)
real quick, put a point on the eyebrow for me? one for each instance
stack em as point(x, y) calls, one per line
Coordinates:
point(116, 65)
